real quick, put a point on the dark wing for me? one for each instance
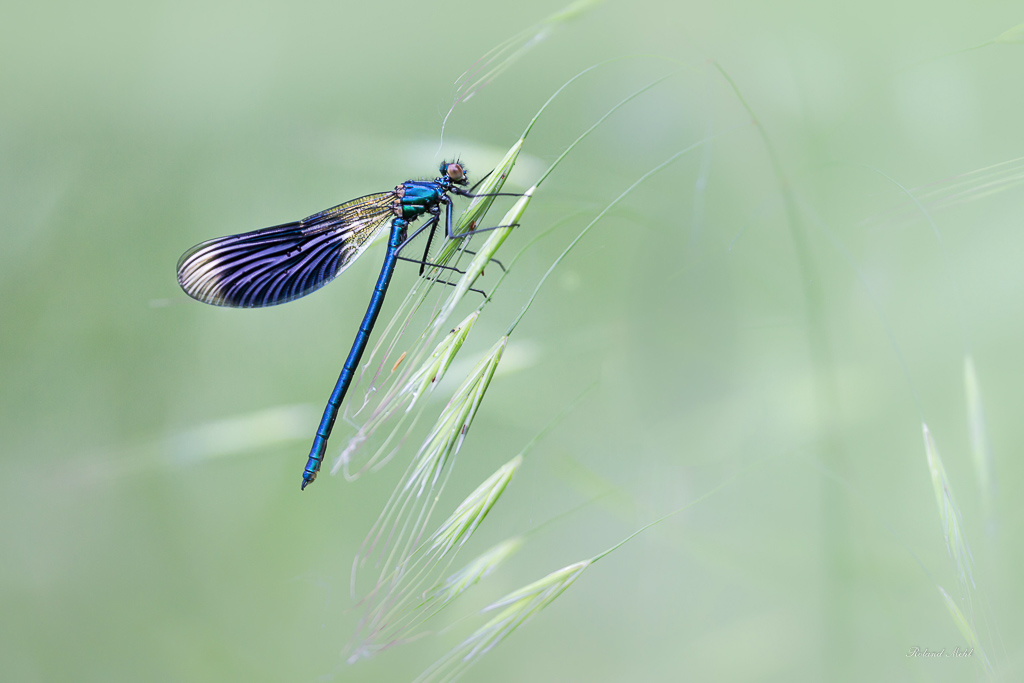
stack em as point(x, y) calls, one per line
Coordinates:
point(279, 264)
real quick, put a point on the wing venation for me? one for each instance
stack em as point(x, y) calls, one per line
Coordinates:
point(280, 264)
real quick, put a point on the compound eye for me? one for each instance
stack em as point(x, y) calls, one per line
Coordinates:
point(456, 173)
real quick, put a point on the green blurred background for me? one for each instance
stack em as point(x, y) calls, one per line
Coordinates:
point(740, 321)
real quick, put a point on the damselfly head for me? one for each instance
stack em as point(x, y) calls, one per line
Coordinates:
point(455, 172)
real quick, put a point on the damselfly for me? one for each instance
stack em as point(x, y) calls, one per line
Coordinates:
point(279, 264)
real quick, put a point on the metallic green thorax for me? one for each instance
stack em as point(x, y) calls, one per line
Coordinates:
point(416, 197)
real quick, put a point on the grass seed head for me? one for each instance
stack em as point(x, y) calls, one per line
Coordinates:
point(452, 425)
point(484, 255)
point(479, 567)
point(956, 543)
point(516, 609)
point(432, 370)
point(1014, 35)
point(981, 450)
point(964, 624)
point(519, 606)
point(473, 510)
point(473, 216)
